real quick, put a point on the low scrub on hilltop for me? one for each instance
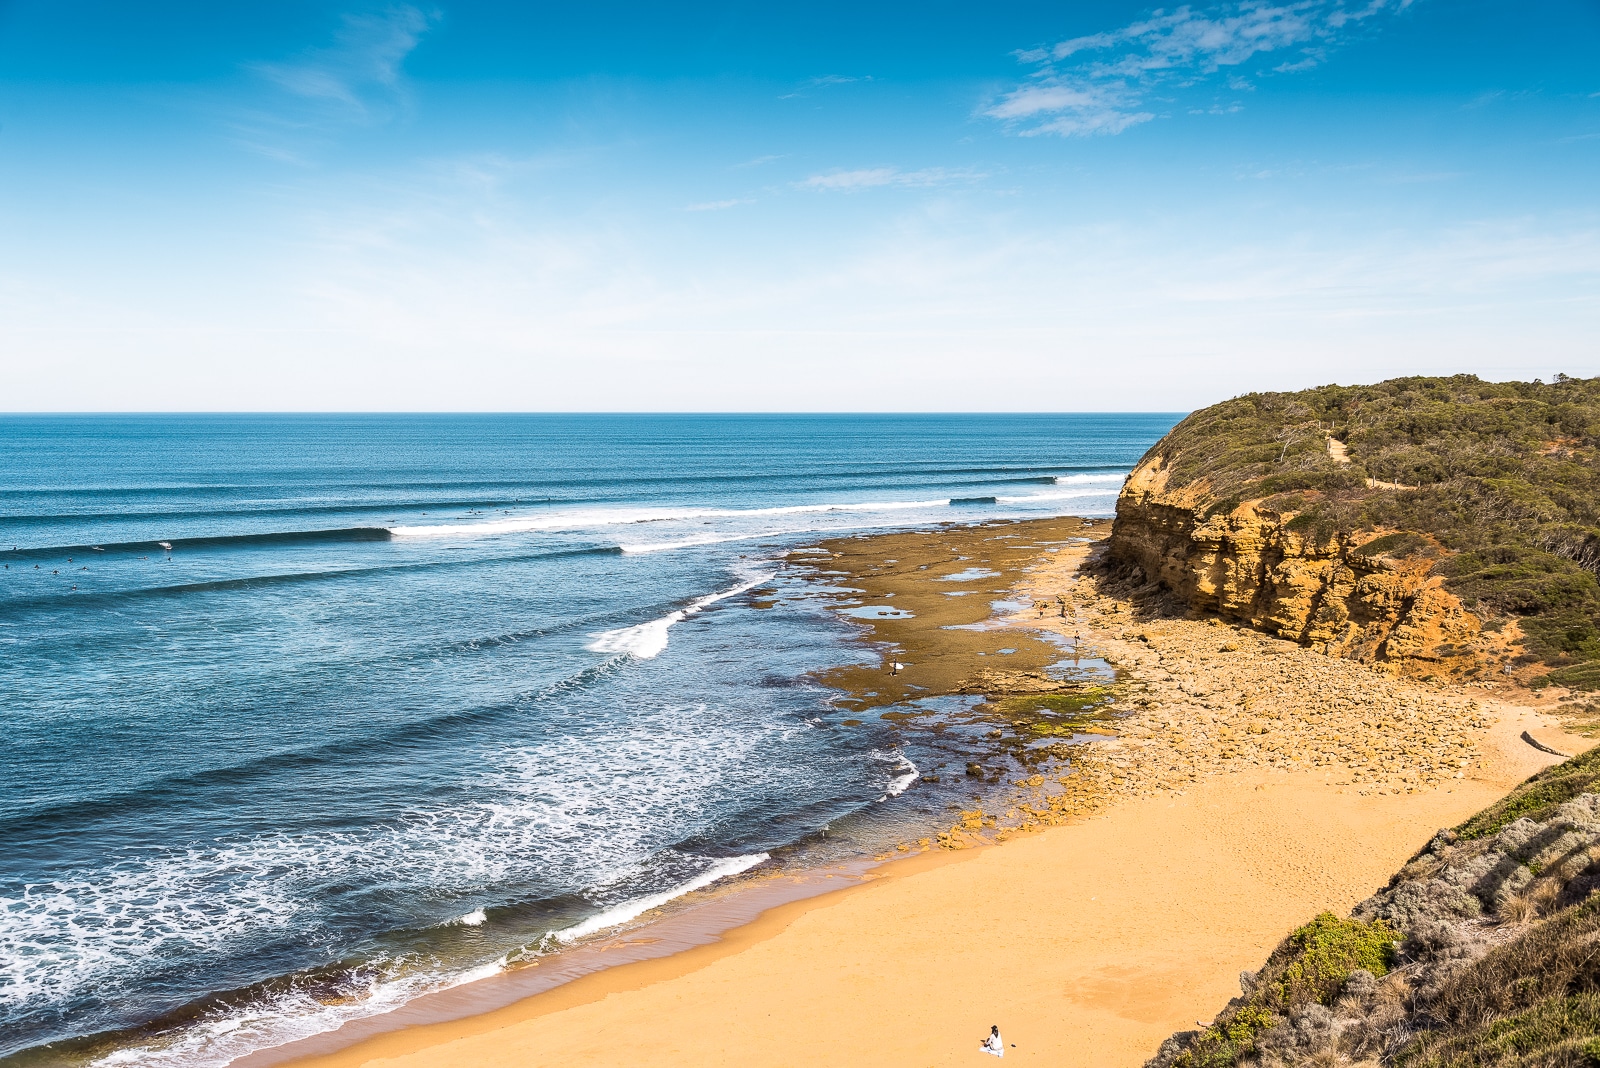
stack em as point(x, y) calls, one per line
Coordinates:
point(1495, 481)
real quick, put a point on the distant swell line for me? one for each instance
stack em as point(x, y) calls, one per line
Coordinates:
point(220, 541)
point(250, 582)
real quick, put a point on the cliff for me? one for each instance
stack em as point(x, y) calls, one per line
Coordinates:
point(1445, 527)
point(1336, 595)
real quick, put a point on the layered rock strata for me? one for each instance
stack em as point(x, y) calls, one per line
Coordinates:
point(1250, 565)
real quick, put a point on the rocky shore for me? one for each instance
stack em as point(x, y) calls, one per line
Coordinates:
point(1200, 697)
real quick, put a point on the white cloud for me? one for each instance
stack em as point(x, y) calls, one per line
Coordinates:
point(1097, 84)
point(445, 290)
point(359, 76)
point(719, 205)
point(1032, 99)
point(873, 177)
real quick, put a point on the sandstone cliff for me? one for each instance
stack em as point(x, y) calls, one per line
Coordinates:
point(1433, 525)
point(1333, 593)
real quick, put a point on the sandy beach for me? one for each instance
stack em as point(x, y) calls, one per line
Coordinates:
point(1252, 785)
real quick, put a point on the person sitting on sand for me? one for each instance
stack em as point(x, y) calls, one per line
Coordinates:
point(993, 1043)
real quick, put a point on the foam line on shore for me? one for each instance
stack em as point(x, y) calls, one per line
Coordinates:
point(629, 910)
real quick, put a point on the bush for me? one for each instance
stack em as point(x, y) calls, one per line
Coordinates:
point(1537, 797)
point(1578, 677)
point(1329, 950)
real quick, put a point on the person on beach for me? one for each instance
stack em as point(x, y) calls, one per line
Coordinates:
point(993, 1044)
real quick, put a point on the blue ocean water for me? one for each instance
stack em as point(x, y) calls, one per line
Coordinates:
point(305, 715)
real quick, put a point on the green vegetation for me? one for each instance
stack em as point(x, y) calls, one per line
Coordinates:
point(1556, 1031)
point(1500, 476)
point(1057, 715)
point(1526, 1002)
point(1225, 1043)
point(1312, 965)
point(1513, 985)
point(1538, 796)
point(1328, 950)
point(1076, 703)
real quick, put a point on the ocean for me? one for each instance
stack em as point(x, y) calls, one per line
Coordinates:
point(304, 716)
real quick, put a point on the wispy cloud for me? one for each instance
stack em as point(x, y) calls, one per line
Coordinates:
point(823, 81)
point(719, 205)
point(876, 177)
point(359, 76)
point(1100, 83)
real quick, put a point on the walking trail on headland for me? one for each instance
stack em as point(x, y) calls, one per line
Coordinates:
point(1254, 784)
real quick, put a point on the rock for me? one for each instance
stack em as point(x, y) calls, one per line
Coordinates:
point(1248, 566)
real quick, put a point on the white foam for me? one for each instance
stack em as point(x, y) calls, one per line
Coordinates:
point(646, 640)
point(1060, 495)
point(476, 918)
point(563, 813)
point(589, 519)
point(906, 773)
point(629, 910)
point(1067, 480)
point(287, 1017)
point(567, 813)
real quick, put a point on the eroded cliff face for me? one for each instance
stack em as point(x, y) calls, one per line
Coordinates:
point(1249, 566)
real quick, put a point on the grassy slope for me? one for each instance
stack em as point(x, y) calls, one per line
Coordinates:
point(1505, 478)
point(1532, 999)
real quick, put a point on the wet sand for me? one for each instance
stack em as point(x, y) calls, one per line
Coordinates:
point(1125, 915)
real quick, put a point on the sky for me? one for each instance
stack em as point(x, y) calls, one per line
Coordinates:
point(760, 206)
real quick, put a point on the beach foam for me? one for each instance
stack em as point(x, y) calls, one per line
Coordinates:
point(630, 910)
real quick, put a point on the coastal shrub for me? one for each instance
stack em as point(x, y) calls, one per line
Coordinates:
point(1226, 1043)
point(1554, 1031)
point(1537, 796)
point(1553, 959)
point(1578, 677)
point(1405, 543)
point(1310, 968)
point(1504, 476)
point(1329, 949)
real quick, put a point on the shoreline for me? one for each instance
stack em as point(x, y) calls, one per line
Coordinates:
point(1094, 939)
point(1089, 838)
point(698, 925)
point(705, 918)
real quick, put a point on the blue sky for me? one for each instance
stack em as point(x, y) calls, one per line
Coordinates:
point(753, 206)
